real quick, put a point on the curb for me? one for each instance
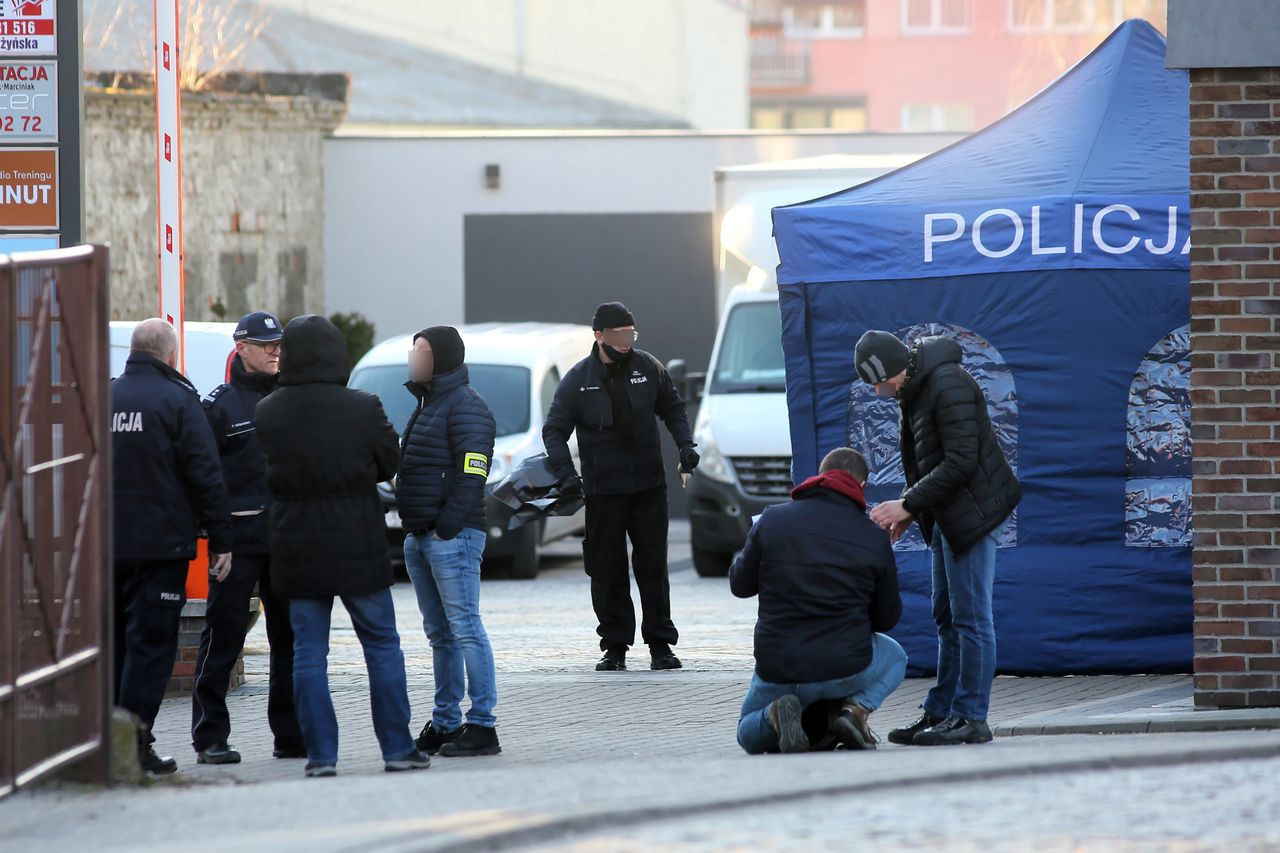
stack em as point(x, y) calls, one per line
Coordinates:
point(1130, 727)
point(549, 830)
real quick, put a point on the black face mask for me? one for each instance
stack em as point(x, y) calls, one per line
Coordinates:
point(619, 357)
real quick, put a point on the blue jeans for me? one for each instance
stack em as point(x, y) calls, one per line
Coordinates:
point(962, 588)
point(868, 688)
point(374, 619)
point(446, 579)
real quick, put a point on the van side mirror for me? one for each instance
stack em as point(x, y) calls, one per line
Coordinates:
point(679, 371)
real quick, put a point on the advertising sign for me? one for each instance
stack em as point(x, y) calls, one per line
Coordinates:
point(28, 27)
point(28, 188)
point(28, 102)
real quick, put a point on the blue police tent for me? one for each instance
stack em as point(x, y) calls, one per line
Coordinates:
point(1054, 246)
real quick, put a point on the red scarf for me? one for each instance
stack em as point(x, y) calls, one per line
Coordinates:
point(839, 482)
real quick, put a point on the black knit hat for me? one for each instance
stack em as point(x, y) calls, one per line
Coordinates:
point(612, 315)
point(446, 346)
point(880, 356)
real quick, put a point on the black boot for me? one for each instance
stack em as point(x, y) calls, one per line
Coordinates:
point(614, 660)
point(954, 730)
point(472, 740)
point(852, 730)
point(661, 657)
point(906, 736)
point(154, 764)
point(433, 738)
point(219, 753)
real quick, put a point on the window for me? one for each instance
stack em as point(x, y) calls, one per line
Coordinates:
point(1044, 16)
point(935, 17)
point(805, 19)
point(750, 358)
point(810, 116)
point(1154, 11)
point(1157, 501)
point(937, 117)
point(550, 383)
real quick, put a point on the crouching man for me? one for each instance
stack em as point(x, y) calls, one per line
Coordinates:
point(828, 587)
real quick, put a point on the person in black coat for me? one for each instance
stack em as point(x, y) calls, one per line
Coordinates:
point(327, 447)
point(828, 588)
point(961, 490)
point(612, 399)
point(447, 450)
point(166, 486)
point(230, 410)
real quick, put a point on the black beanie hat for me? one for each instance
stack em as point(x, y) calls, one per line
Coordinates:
point(446, 346)
point(612, 315)
point(880, 356)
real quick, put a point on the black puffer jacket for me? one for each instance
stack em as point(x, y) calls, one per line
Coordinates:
point(615, 461)
point(447, 449)
point(230, 409)
point(957, 475)
point(327, 448)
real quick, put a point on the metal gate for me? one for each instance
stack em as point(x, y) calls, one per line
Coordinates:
point(55, 523)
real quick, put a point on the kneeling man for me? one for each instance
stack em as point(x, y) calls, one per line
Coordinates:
point(828, 587)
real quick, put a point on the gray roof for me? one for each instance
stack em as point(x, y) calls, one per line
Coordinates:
point(392, 82)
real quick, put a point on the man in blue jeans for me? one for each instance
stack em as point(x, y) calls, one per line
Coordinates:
point(961, 489)
point(327, 447)
point(445, 455)
point(828, 587)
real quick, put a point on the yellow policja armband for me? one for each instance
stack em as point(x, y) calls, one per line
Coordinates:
point(476, 463)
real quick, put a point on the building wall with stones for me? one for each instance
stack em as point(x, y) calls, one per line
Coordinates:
point(1233, 52)
point(253, 191)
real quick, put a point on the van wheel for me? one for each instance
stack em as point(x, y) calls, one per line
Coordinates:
point(711, 564)
point(524, 563)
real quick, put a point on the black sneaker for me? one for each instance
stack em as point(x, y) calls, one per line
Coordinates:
point(154, 764)
point(851, 729)
point(614, 660)
point(432, 738)
point(906, 736)
point(661, 657)
point(415, 760)
point(219, 753)
point(472, 740)
point(319, 771)
point(955, 730)
point(784, 716)
point(289, 752)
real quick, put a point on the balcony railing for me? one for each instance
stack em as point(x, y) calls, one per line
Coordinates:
point(779, 62)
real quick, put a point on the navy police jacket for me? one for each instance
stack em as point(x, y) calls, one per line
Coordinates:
point(166, 477)
point(229, 409)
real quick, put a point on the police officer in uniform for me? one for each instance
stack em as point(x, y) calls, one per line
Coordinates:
point(167, 485)
point(230, 410)
point(611, 399)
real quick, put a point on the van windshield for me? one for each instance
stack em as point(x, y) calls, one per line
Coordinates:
point(504, 387)
point(750, 358)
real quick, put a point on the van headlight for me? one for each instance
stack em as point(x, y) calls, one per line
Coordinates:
point(499, 468)
point(713, 465)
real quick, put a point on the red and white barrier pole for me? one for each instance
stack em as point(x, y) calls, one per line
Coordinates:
point(169, 167)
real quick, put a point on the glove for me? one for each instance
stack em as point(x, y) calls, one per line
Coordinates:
point(689, 459)
point(571, 487)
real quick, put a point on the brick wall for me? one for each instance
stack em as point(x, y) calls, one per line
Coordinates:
point(1235, 379)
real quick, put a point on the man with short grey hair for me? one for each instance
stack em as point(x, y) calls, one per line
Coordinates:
point(166, 486)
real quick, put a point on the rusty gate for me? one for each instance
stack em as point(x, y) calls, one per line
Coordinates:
point(55, 524)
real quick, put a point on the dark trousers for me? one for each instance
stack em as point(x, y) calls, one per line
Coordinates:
point(226, 622)
point(149, 595)
point(611, 519)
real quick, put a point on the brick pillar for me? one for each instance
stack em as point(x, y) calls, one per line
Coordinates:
point(1235, 380)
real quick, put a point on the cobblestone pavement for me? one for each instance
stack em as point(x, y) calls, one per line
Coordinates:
point(650, 751)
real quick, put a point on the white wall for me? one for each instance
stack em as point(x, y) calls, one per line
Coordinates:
point(394, 207)
point(686, 58)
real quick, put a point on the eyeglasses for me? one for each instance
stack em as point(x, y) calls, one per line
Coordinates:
point(621, 337)
point(266, 346)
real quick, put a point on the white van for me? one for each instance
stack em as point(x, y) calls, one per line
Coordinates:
point(516, 368)
point(210, 347)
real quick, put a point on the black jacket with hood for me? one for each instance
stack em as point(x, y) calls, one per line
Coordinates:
point(327, 447)
point(957, 476)
point(230, 408)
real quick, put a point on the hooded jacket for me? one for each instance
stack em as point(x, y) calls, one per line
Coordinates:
point(957, 476)
point(230, 409)
point(444, 463)
point(327, 447)
point(827, 581)
point(166, 480)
